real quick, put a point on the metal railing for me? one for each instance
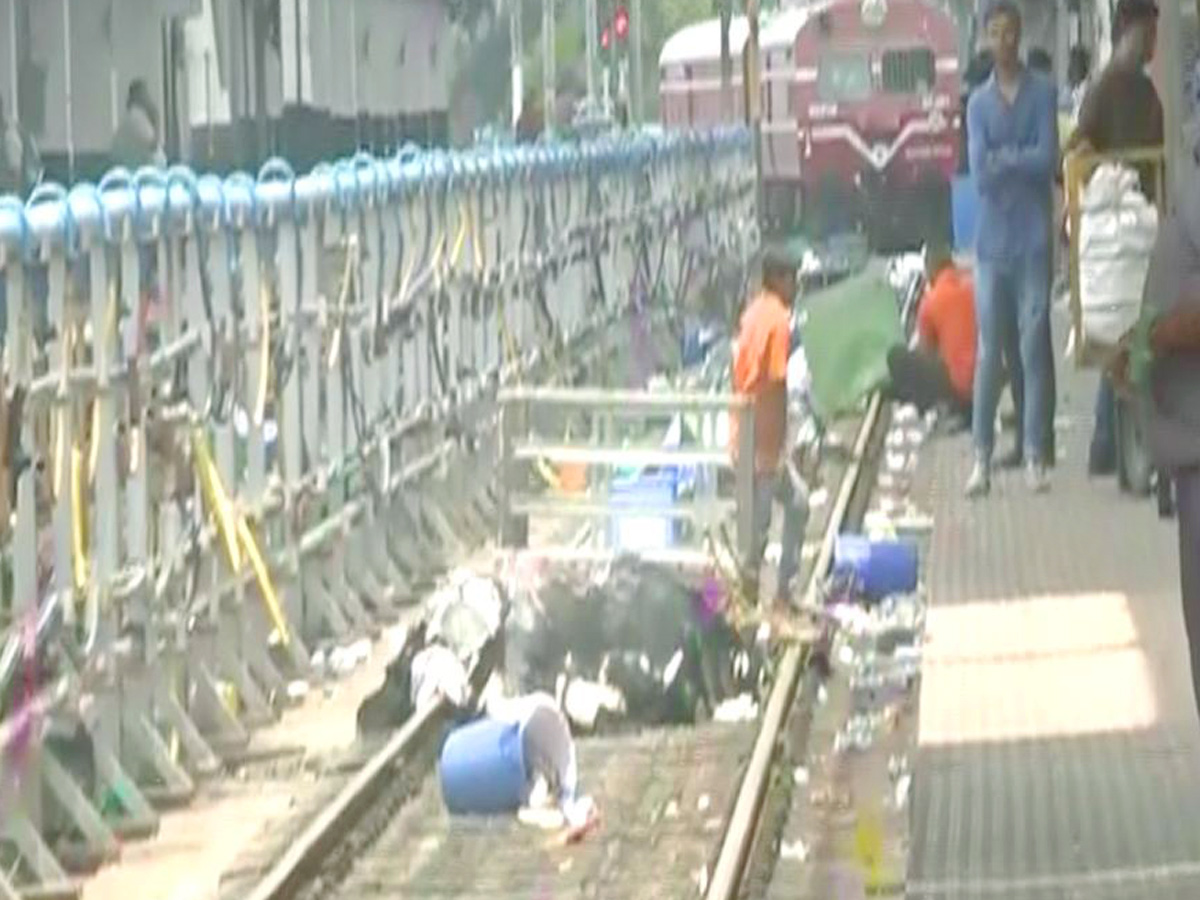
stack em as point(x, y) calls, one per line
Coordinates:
point(616, 425)
point(245, 418)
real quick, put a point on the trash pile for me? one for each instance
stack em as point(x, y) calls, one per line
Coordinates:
point(586, 650)
point(630, 644)
point(437, 653)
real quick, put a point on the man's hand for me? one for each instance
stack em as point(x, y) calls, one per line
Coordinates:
point(1129, 369)
point(1118, 370)
point(1078, 145)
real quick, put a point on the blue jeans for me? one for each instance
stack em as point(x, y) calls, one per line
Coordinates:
point(1103, 453)
point(792, 494)
point(1012, 309)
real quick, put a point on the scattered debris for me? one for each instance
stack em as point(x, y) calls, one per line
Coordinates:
point(736, 709)
point(588, 703)
point(297, 690)
point(438, 672)
point(392, 705)
point(900, 795)
point(545, 818)
point(434, 654)
point(794, 851)
point(465, 612)
point(858, 734)
point(629, 642)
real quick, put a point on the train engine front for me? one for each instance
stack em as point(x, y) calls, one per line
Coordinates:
point(876, 90)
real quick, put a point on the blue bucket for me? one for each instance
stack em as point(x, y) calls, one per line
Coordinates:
point(486, 766)
point(482, 768)
point(882, 568)
point(644, 532)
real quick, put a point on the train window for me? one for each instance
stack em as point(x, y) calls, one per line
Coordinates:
point(844, 77)
point(911, 71)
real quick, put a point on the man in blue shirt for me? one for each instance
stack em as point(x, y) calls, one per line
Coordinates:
point(1012, 123)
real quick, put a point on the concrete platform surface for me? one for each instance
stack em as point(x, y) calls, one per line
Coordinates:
point(1059, 753)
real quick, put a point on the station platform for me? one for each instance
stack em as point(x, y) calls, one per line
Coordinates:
point(1059, 752)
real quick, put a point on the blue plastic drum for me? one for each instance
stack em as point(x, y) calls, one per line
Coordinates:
point(482, 768)
point(882, 568)
point(487, 766)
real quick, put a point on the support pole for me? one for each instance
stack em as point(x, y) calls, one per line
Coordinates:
point(68, 94)
point(549, 66)
point(589, 30)
point(518, 74)
point(752, 78)
point(726, 62)
point(1171, 84)
point(14, 97)
point(354, 101)
point(637, 110)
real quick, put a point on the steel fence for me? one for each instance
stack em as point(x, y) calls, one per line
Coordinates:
point(243, 419)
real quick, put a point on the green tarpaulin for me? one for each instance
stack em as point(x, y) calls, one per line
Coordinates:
point(848, 330)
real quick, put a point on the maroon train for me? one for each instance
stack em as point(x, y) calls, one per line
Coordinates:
point(860, 102)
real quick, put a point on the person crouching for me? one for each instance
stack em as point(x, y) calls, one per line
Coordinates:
point(937, 371)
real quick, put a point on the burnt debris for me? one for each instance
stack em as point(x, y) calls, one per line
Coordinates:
point(631, 645)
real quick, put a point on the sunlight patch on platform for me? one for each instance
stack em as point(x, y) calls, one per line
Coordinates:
point(1041, 667)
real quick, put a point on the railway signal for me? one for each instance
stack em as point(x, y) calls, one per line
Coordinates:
point(621, 23)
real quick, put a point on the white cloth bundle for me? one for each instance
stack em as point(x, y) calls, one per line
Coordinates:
point(1118, 226)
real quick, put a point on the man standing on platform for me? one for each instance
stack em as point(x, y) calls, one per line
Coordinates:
point(20, 162)
point(1161, 358)
point(1121, 111)
point(137, 141)
point(760, 372)
point(1012, 122)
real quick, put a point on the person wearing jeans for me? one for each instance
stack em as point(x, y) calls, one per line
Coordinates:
point(787, 487)
point(1013, 150)
point(1121, 111)
point(760, 373)
point(1013, 289)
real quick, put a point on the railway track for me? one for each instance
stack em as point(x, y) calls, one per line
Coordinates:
point(685, 811)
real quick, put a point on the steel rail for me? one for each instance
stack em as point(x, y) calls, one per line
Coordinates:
point(730, 868)
point(309, 852)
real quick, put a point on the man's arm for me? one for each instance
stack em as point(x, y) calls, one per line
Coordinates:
point(979, 151)
point(1177, 332)
point(1038, 160)
point(779, 349)
point(925, 334)
point(1084, 137)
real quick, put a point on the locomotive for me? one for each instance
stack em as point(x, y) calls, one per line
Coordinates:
point(860, 113)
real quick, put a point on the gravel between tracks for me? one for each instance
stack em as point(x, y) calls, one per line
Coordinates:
point(663, 795)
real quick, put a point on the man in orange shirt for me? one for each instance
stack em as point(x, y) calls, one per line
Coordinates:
point(939, 370)
point(760, 371)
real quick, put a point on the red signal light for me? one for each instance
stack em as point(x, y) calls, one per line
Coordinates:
point(621, 23)
point(605, 38)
